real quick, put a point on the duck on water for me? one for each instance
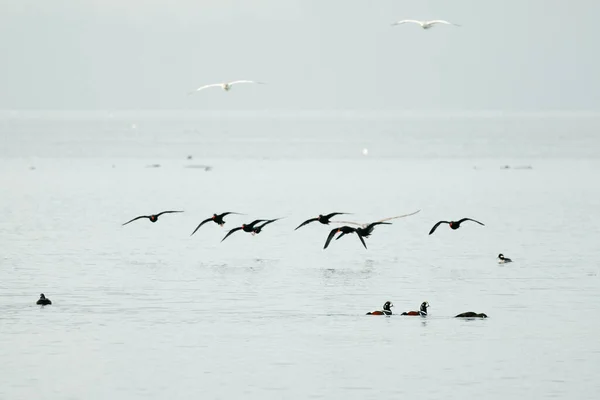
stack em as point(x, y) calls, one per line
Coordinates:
point(43, 300)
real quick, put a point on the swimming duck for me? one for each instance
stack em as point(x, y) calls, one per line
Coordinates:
point(43, 301)
point(471, 314)
point(422, 311)
point(386, 309)
point(502, 259)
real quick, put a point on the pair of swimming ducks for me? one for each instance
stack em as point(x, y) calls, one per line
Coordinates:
point(422, 311)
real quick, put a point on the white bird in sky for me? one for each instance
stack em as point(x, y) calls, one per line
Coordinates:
point(425, 24)
point(226, 86)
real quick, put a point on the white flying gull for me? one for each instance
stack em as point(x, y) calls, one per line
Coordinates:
point(226, 86)
point(424, 24)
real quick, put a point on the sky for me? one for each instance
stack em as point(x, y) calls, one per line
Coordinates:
point(515, 55)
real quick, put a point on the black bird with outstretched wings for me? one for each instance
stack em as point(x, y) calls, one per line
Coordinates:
point(453, 224)
point(245, 227)
point(258, 229)
point(153, 217)
point(216, 218)
point(324, 219)
point(344, 230)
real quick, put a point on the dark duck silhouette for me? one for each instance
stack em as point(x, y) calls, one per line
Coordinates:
point(249, 228)
point(153, 218)
point(422, 311)
point(216, 218)
point(344, 230)
point(258, 229)
point(361, 232)
point(471, 314)
point(502, 259)
point(453, 224)
point(324, 219)
point(386, 309)
point(43, 301)
point(367, 230)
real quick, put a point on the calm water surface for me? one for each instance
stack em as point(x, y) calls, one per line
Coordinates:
point(147, 312)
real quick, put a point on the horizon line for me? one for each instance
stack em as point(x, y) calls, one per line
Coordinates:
point(150, 112)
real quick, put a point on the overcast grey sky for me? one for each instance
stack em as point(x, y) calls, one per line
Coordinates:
point(314, 54)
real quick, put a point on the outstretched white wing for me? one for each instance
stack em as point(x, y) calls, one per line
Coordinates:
point(347, 222)
point(404, 21)
point(381, 220)
point(440, 21)
point(206, 87)
point(399, 216)
point(235, 82)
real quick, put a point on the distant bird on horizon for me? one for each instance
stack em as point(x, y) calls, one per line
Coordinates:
point(226, 86)
point(216, 218)
point(153, 218)
point(424, 24)
point(454, 225)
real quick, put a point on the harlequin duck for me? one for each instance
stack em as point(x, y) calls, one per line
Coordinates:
point(386, 309)
point(422, 311)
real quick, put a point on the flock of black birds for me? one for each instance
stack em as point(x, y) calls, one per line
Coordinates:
point(361, 230)
point(256, 226)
